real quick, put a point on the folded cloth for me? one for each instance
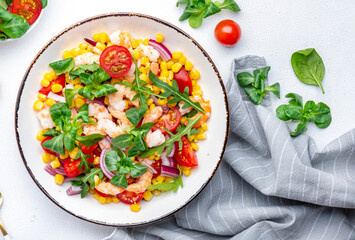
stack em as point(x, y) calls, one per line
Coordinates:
point(269, 185)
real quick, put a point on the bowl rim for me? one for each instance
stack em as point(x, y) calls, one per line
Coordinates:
point(93, 18)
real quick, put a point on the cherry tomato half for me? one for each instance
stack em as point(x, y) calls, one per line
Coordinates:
point(183, 80)
point(28, 9)
point(186, 156)
point(116, 61)
point(170, 120)
point(101, 193)
point(130, 197)
point(157, 166)
point(60, 80)
point(227, 32)
point(46, 149)
point(71, 167)
point(88, 150)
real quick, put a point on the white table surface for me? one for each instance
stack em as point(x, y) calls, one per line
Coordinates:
point(270, 28)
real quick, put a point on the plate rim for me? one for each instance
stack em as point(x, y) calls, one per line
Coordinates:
point(94, 18)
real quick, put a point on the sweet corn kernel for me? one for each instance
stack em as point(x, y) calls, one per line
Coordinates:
point(163, 66)
point(186, 172)
point(136, 54)
point(144, 77)
point(156, 192)
point(160, 37)
point(162, 101)
point(139, 41)
point(150, 101)
point(96, 196)
point(182, 60)
point(183, 120)
point(147, 195)
point(97, 180)
point(73, 153)
point(196, 87)
point(151, 107)
point(66, 54)
point(55, 163)
point(194, 82)
point(53, 157)
point(192, 138)
point(135, 207)
point(134, 44)
point(96, 37)
point(204, 126)
point(201, 136)
point(39, 135)
point(75, 52)
point(104, 38)
point(108, 200)
point(50, 102)
point(151, 157)
point(171, 105)
point(110, 44)
point(82, 51)
point(168, 179)
point(83, 46)
point(115, 200)
point(42, 97)
point(164, 79)
point(46, 158)
point(194, 74)
point(160, 179)
point(164, 73)
point(171, 75)
point(197, 93)
point(38, 105)
point(45, 82)
point(59, 179)
point(92, 191)
point(169, 64)
point(57, 128)
point(146, 42)
point(142, 69)
point(156, 89)
point(96, 160)
point(48, 76)
point(176, 67)
point(144, 60)
point(188, 66)
point(78, 86)
point(79, 102)
point(56, 88)
point(177, 55)
point(66, 155)
point(195, 147)
point(102, 200)
point(101, 46)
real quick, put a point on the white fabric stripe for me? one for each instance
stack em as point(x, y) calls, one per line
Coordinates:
point(348, 160)
point(303, 223)
point(279, 165)
point(319, 174)
point(346, 193)
point(260, 237)
point(326, 154)
point(218, 205)
point(252, 167)
point(326, 228)
point(351, 233)
point(304, 181)
point(208, 216)
point(263, 177)
point(336, 158)
point(291, 172)
point(311, 232)
point(331, 191)
point(340, 224)
point(187, 217)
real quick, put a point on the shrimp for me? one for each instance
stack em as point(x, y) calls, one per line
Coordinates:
point(155, 138)
point(149, 52)
point(87, 58)
point(93, 129)
point(73, 113)
point(141, 185)
point(104, 143)
point(99, 111)
point(154, 67)
point(45, 118)
point(121, 117)
point(116, 99)
point(108, 188)
point(110, 127)
point(121, 38)
point(130, 74)
point(153, 115)
point(206, 107)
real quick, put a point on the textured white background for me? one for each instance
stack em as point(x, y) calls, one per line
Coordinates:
point(270, 28)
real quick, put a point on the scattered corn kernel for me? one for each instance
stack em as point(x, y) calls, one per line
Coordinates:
point(55, 163)
point(75, 52)
point(171, 75)
point(162, 101)
point(163, 66)
point(151, 157)
point(39, 135)
point(83, 46)
point(92, 191)
point(168, 179)
point(156, 89)
point(150, 101)
point(56, 88)
point(201, 136)
point(146, 42)
point(79, 102)
point(96, 37)
point(188, 66)
point(46, 158)
point(160, 179)
point(57, 128)
point(66, 155)
point(38, 105)
point(97, 180)
point(151, 107)
point(182, 60)
point(195, 147)
point(50, 102)
point(186, 172)
point(66, 54)
point(144, 77)
point(144, 60)
point(108, 200)
point(169, 64)
point(147, 195)
point(45, 82)
point(164, 73)
point(42, 97)
point(134, 44)
point(176, 67)
point(73, 153)
point(101, 46)
point(96, 160)
point(136, 54)
point(183, 120)
point(48, 76)
point(194, 74)
point(59, 179)
point(78, 86)
point(102, 200)
point(96, 196)
point(196, 87)
point(104, 38)
point(115, 200)
point(194, 82)
point(135, 207)
point(192, 138)
point(197, 93)
point(160, 37)
point(156, 192)
point(177, 55)
point(204, 126)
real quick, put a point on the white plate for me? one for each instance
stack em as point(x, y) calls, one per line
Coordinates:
point(209, 155)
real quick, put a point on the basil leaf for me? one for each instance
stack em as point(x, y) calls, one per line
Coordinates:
point(136, 114)
point(111, 160)
point(69, 139)
point(245, 79)
point(103, 90)
point(83, 68)
point(119, 180)
point(15, 27)
point(86, 78)
point(138, 170)
point(90, 140)
point(122, 141)
point(44, 3)
point(63, 66)
point(308, 67)
point(55, 144)
point(229, 4)
point(60, 114)
point(51, 132)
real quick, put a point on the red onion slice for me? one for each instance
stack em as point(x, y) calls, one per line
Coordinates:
point(103, 166)
point(100, 100)
point(169, 172)
point(168, 161)
point(91, 42)
point(150, 168)
point(53, 171)
point(164, 107)
point(164, 52)
point(73, 190)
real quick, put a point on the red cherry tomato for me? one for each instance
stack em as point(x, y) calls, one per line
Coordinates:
point(46, 149)
point(130, 197)
point(88, 150)
point(101, 193)
point(116, 61)
point(186, 156)
point(71, 167)
point(157, 166)
point(183, 80)
point(227, 32)
point(60, 80)
point(28, 9)
point(170, 120)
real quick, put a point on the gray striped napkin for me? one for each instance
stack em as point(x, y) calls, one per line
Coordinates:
point(269, 185)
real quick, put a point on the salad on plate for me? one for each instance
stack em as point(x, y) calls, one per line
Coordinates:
point(121, 118)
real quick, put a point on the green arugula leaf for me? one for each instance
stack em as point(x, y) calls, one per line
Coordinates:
point(63, 66)
point(83, 160)
point(190, 114)
point(174, 185)
point(119, 180)
point(51, 132)
point(55, 144)
point(144, 129)
point(174, 91)
point(88, 178)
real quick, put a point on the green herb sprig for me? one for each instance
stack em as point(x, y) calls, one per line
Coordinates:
point(174, 185)
point(254, 86)
point(310, 112)
point(196, 10)
point(89, 177)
